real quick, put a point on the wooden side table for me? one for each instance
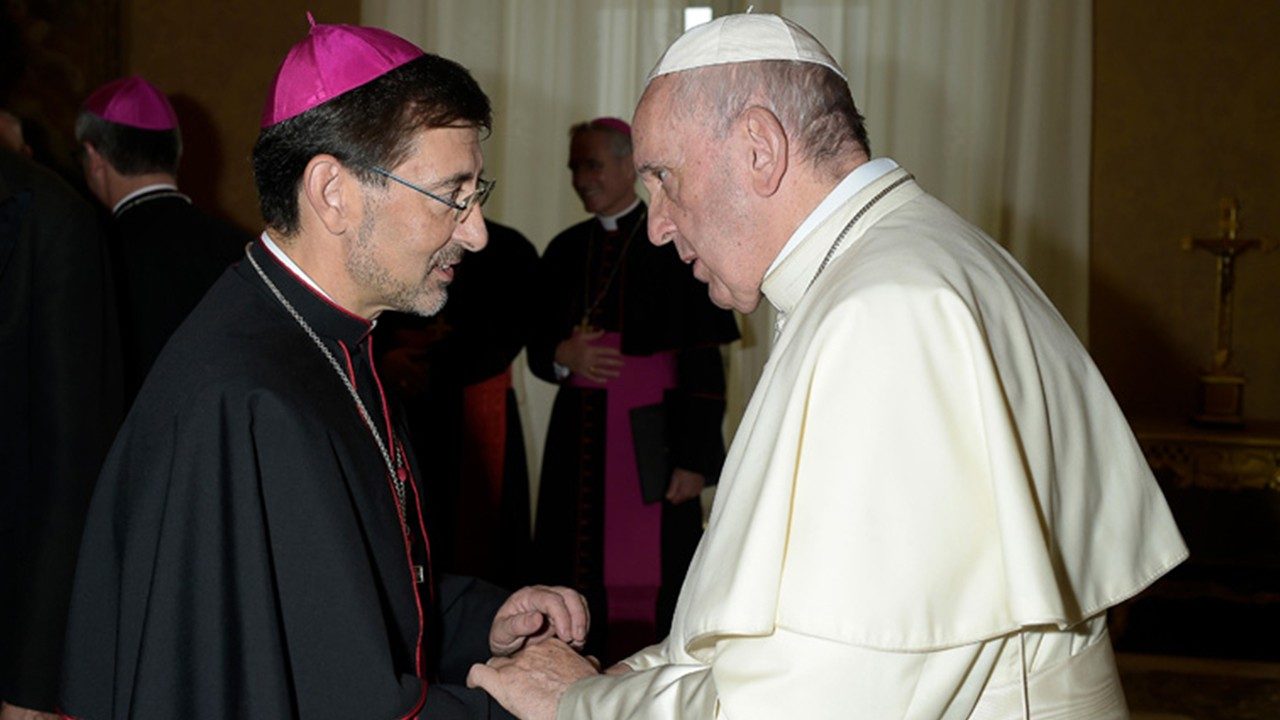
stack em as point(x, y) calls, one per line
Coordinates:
point(1213, 458)
point(1223, 486)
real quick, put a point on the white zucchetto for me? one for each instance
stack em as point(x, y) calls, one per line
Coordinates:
point(743, 38)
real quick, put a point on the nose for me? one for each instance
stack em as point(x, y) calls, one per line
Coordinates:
point(471, 232)
point(661, 228)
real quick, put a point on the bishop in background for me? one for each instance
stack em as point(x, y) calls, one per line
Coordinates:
point(166, 252)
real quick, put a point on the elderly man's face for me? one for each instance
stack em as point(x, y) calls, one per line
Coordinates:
point(697, 199)
point(605, 181)
point(407, 243)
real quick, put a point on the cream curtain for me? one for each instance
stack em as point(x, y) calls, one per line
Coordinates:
point(986, 101)
point(989, 104)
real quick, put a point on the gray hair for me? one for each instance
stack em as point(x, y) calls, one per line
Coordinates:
point(812, 102)
point(131, 150)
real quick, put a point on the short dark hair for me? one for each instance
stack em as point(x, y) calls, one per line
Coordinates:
point(131, 150)
point(371, 125)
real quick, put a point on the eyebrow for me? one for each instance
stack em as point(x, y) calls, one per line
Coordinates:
point(453, 180)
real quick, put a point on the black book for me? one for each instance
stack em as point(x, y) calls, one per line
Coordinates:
point(653, 453)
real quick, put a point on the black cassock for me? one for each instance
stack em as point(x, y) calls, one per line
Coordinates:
point(167, 253)
point(244, 556)
point(656, 305)
point(59, 407)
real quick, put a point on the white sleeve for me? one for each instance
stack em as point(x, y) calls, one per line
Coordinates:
point(789, 675)
point(650, 657)
point(678, 692)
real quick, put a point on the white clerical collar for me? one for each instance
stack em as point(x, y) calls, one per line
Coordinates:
point(140, 191)
point(862, 176)
point(610, 222)
point(288, 262)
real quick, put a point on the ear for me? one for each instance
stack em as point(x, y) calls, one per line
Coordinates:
point(95, 162)
point(767, 142)
point(331, 192)
point(97, 174)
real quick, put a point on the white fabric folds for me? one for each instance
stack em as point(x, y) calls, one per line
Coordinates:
point(930, 459)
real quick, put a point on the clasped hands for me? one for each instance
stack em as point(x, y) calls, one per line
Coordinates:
point(601, 364)
point(535, 639)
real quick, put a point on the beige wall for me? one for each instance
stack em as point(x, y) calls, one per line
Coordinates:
point(1186, 110)
point(216, 60)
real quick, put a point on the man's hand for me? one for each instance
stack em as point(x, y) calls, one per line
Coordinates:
point(531, 683)
point(685, 485)
point(596, 363)
point(538, 612)
point(13, 712)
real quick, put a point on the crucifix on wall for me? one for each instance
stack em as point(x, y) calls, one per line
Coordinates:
point(1222, 389)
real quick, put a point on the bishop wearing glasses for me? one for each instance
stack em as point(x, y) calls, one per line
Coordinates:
point(256, 547)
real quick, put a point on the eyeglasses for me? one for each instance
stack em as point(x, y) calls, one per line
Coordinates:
point(461, 208)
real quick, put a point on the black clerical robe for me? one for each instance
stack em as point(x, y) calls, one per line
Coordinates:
point(167, 253)
point(620, 282)
point(59, 408)
point(244, 556)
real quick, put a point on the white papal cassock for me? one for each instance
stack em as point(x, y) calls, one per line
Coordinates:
point(929, 505)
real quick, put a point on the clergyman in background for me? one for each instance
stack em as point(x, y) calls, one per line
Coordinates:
point(166, 251)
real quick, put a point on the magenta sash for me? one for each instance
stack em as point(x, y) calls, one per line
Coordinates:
point(632, 543)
